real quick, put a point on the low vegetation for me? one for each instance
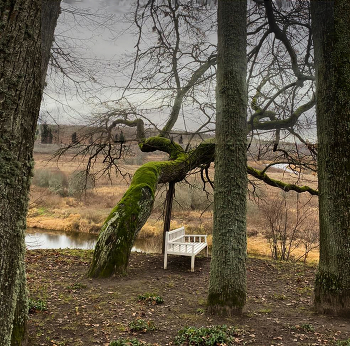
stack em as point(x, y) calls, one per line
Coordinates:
point(140, 325)
point(150, 298)
point(206, 336)
point(36, 305)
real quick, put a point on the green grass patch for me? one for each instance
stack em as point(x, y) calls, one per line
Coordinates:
point(36, 305)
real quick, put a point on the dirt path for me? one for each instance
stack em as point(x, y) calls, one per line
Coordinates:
point(83, 311)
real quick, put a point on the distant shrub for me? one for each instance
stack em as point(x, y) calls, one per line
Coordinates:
point(79, 182)
point(205, 336)
point(135, 159)
point(343, 343)
point(252, 232)
point(55, 180)
point(188, 197)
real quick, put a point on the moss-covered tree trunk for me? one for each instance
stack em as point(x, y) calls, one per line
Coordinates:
point(331, 23)
point(119, 231)
point(26, 35)
point(227, 288)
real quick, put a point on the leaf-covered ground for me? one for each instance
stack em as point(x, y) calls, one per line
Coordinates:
point(84, 311)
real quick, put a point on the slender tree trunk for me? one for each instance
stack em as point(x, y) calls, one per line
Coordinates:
point(331, 23)
point(227, 288)
point(24, 55)
point(168, 208)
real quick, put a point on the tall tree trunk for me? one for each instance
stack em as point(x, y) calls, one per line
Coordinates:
point(227, 288)
point(331, 23)
point(24, 53)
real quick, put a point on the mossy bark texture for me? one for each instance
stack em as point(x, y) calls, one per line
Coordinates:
point(227, 287)
point(331, 23)
point(24, 55)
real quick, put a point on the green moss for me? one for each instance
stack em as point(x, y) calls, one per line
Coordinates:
point(328, 282)
point(226, 304)
point(277, 183)
point(162, 144)
point(18, 333)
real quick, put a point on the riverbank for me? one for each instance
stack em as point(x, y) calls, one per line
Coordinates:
point(81, 311)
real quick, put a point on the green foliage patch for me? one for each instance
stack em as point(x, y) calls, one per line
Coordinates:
point(151, 299)
point(205, 336)
point(141, 325)
point(36, 305)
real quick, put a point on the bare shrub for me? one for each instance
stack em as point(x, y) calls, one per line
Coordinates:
point(309, 236)
point(252, 232)
point(290, 224)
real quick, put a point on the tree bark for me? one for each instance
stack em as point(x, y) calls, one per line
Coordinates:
point(25, 42)
point(330, 24)
point(227, 286)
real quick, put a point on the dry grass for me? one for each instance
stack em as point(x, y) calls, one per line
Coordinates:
point(192, 206)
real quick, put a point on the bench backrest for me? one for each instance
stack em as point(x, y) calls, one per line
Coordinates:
point(174, 234)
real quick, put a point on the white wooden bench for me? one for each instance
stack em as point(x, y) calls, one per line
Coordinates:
point(178, 243)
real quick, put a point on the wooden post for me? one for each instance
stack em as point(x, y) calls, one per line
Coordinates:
point(168, 207)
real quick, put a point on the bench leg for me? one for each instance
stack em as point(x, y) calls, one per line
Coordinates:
point(165, 261)
point(207, 251)
point(192, 263)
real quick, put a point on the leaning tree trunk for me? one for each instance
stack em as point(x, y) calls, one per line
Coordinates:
point(331, 23)
point(24, 55)
point(227, 287)
point(119, 231)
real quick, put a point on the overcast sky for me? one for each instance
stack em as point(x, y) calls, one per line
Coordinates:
point(101, 42)
point(95, 32)
point(98, 33)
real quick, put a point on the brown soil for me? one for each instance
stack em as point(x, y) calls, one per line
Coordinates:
point(83, 311)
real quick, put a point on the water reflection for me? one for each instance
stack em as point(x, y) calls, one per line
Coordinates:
point(45, 239)
point(149, 245)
